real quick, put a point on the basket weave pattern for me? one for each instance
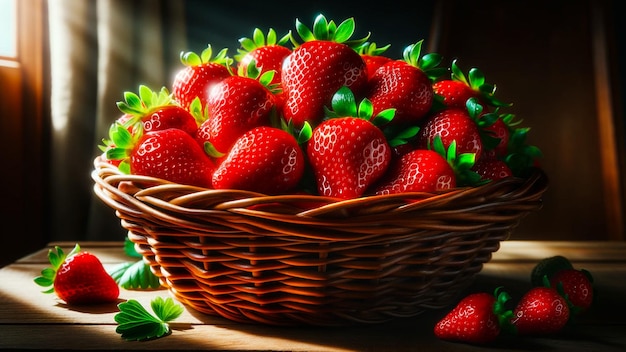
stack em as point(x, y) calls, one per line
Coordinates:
point(300, 259)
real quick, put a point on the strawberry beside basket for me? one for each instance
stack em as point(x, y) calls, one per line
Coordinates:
point(314, 260)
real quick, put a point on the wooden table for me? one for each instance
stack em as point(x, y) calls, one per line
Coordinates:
point(32, 320)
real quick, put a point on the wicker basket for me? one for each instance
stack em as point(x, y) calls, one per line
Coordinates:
point(297, 259)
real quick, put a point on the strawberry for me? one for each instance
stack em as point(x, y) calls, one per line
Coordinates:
point(478, 318)
point(577, 285)
point(420, 170)
point(541, 311)
point(267, 52)
point(172, 155)
point(317, 68)
point(426, 170)
point(348, 152)
point(456, 90)
point(78, 278)
point(199, 74)
point(155, 110)
point(373, 56)
point(235, 105)
point(264, 159)
point(404, 85)
point(452, 124)
point(492, 169)
point(500, 131)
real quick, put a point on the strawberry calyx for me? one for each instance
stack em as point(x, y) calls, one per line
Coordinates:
point(461, 164)
point(200, 113)
point(120, 144)
point(475, 110)
point(191, 58)
point(56, 257)
point(372, 49)
point(344, 104)
point(329, 31)
point(302, 134)
point(500, 310)
point(521, 156)
point(139, 105)
point(428, 63)
point(476, 81)
point(259, 40)
point(265, 78)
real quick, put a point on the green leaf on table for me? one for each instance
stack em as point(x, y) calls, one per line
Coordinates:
point(134, 276)
point(129, 249)
point(135, 323)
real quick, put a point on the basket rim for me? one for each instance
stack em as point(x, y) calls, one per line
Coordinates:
point(242, 198)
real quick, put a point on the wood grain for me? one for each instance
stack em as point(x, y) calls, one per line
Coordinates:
point(30, 319)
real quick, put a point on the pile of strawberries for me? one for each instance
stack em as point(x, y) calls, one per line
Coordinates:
point(322, 114)
point(559, 293)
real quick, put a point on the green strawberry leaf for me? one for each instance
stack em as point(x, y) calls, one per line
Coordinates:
point(166, 310)
point(129, 249)
point(135, 323)
point(134, 276)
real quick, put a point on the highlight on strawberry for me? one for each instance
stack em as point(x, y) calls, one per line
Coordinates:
point(478, 318)
point(78, 278)
point(448, 127)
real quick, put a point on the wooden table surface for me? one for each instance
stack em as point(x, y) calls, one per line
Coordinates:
point(30, 319)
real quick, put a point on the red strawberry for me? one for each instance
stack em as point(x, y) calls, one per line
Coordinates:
point(454, 93)
point(421, 170)
point(316, 69)
point(199, 74)
point(477, 318)
point(156, 111)
point(452, 124)
point(373, 57)
point(403, 85)
point(264, 159)
point(500, 131)
point(428, 170)
point(541, 311)
point(235, 105)
point(456, 90)
point(492, 169)
point(577, 285)
point(78, 278)
point(172, 155)
point(267, 52)
point(348, 153)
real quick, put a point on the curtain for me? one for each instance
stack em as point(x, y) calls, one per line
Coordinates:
point(98, 50)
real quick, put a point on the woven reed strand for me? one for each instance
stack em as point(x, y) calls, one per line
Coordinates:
point(312, 260)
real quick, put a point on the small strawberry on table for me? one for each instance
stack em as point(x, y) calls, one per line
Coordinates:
point(478, 318)
point(541, 311)
point(78, 278)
